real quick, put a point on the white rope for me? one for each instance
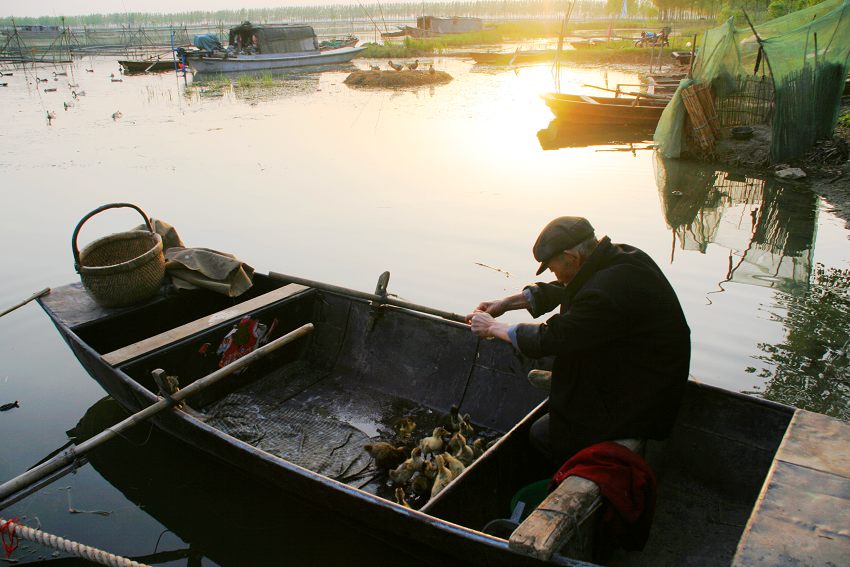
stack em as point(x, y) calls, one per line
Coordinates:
point(68, 546)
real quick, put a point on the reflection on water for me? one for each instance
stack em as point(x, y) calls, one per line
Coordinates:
point(561, 134)
point(768, 229)
point(809, 369)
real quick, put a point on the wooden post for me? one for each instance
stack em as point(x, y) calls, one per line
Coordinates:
point(48, 467)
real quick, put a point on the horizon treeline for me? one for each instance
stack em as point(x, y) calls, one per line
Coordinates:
point(663, 10)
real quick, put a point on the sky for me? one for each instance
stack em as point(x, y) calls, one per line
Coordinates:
point(77, 7)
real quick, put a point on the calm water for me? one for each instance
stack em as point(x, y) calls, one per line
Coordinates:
point(446, 187)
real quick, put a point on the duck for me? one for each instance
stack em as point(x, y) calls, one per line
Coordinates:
point(4, 84)
point(50, 90)
point(478, 447)
point(73, 86)
point(386, 456)
point(89, 70)
point(119, 80)
point(465, 455)
point(51, 115)
point(421, 484)
point(414, 65)
point(374, 68)
point(396, 66)
point(453, 464)
point(12, 405)
point(431, 70)
point(68, 105)
point(38, 80)
point(62, 73)
point(429, 470)
point(117, 114)
point(456, 442)
point(400, 499)
point(433, 444)
point(404, 427)
point(444, 477)
point(405, 471)
point(76, 94)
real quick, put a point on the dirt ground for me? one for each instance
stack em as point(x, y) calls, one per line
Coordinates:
point(828, 168)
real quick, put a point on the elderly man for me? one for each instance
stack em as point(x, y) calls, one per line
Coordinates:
point(621, 342)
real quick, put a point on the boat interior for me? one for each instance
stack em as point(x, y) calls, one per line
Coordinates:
point(320, 400)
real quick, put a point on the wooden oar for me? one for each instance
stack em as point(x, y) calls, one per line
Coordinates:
point(370, 296)
point(48, 467)
point(36, 295)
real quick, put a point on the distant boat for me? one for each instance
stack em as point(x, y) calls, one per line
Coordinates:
point(131, 66)
point(432, 26)
point(605, 110)
point(272, 46)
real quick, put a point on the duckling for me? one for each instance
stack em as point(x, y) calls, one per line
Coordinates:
point(7, 407)
point(399, 497)
point(456, 442)
point(116, 115)
point(421, 484)
point(434, 443)
point(395, 66)
point(374, 68)
point(444, 477)
point(431, 70)
point(404, 427)
point(466, 426)
point(453, 464)
point(414, 65)
point(386, 456)
point(465, 454)
point(478, 447)
point(405, 471)
point(429, 470)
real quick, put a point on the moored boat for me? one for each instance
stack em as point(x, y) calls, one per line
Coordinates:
point(269, 46)
point(368, 364)
point(605, 110)
point(131, 66)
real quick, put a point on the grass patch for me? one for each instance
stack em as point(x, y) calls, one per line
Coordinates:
point(844, 119)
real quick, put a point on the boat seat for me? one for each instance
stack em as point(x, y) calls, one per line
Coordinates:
point(171, 336)
point(565, 519)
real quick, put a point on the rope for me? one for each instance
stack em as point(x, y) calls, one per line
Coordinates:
point(17, 530)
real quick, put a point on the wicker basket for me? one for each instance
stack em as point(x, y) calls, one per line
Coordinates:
point(123, 268)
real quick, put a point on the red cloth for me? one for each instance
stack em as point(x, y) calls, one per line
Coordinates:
point(628, 487)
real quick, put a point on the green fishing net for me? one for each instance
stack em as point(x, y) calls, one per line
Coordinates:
point(805, 53)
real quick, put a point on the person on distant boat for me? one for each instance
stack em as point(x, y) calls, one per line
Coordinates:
point(621, 342)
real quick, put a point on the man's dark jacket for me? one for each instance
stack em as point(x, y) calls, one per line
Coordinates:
point(622, 349)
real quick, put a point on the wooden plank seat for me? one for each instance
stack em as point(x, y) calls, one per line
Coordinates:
point(171, 336)
point(567, 517)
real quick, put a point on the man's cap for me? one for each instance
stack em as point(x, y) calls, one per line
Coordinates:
point(561, 234)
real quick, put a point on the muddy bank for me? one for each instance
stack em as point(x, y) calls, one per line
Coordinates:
point(396, 79)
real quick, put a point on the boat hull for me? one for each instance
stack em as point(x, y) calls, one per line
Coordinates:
point(205, 64)
point(147, 66)
point(604, 110)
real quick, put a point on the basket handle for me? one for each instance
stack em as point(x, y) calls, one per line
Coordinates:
point(100, 209)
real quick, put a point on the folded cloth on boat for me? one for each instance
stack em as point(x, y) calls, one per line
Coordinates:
point(192, 268)
point(628, 486)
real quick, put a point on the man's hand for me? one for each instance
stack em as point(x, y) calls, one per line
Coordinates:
point(495, 308)
point(485, 326)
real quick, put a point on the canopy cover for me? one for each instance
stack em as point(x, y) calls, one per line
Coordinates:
point(806, 53)
point(276, 38)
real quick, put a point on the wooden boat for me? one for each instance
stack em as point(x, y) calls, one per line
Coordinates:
point(349, 41)
point(131, 66)
point(278, 46)
point(605, 110)
point(366, 363)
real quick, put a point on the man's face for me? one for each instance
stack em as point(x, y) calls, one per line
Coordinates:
point(565, 266)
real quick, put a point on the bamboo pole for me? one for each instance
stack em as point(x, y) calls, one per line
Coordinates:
point(36, 473)
point(36, 295)
point(370, 296)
